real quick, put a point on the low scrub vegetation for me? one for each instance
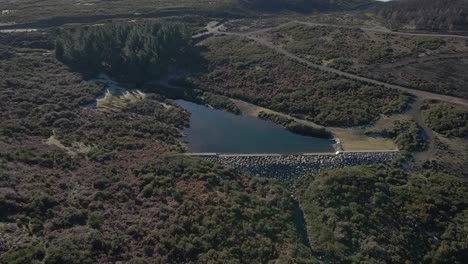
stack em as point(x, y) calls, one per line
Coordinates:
point(122, 197)
point(245, 70)
point(447, 120)
point(301, 6)
point(51, 97)
point(181, 89)
point(426, 63)
point(58, 12)
point(110, 185)
point(217, 102)
point(407, 135)
point(296, 127)
point(325, 44)
point(450, 157)
point(384, 215)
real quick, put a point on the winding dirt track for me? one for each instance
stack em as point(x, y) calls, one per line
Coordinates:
point(415, 110)
point(428, 135)
point(215, 30)
point(382, 30)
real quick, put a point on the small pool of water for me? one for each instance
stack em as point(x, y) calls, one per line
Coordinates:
point(218, 131)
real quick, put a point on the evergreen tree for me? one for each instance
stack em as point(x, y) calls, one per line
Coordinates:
point(137, 52)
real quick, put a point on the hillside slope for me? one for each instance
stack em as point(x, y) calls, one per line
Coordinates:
point(303, 5)
point(59, 12)
point(107, 185)
point(382, 215)
point(434, 15)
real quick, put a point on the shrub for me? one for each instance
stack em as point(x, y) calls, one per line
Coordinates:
point(306, 130)
point(447, 120)
point(294, 126)
point(95, 220)
point(407, 135)
point(27, 254)
point(79, 246)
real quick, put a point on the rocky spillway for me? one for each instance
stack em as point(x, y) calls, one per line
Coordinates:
point(287, 169)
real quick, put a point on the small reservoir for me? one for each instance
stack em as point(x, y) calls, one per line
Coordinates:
point(218, 131)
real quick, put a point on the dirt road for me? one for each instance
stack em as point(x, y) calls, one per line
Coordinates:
point(380, 30)
point(415, 111)
point(429, 135)
point(217, 30)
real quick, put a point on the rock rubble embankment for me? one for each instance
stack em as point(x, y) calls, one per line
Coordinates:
point(287, 169)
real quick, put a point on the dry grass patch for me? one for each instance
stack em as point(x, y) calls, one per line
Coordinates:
point(115, 103)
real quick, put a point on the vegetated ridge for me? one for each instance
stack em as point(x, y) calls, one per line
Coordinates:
point(439, 15)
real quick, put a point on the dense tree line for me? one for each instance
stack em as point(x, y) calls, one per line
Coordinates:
point(136, 52)
point(426, 14)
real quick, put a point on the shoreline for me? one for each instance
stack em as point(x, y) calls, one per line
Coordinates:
point(347, 139)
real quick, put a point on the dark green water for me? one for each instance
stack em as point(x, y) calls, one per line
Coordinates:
point(222, 132)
